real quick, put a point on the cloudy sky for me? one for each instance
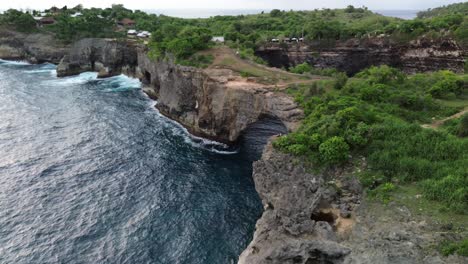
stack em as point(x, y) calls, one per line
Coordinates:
point(232, 4)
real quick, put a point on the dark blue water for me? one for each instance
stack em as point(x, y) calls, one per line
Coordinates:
point(91, 173)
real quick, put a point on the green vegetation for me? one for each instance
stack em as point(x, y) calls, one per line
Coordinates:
point(181, 42)
point(184, 37)
point(458, 126)
point(198, 60)
point(378, 115)
point(20, 21)
point(89, 25)
point(301, 68)
point(460, 8)
point(460, 248)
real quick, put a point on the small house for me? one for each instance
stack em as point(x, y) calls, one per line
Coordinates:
point(132, 32)
point(76, 14)
point(295, 39)
point(219, 39)
point(143, 35)
point(274, 40)
point(46, 21)
point(126, 22)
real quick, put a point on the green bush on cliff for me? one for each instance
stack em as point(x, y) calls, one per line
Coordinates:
point(334, 150)
point(22, 22)
point(180, 42)
point(378, 115)
point(301, 68)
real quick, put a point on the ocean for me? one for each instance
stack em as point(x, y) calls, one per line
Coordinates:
point(90, 172)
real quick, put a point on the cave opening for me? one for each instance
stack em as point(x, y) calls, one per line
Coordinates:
point(147, 78)
point(256, 135)
point(324, 216)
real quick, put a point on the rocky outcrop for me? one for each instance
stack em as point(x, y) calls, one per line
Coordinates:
point(35, 48)
point(305, 213)
point(213, 103)
point(108, 57)
point(323, 217)
point(353, 55)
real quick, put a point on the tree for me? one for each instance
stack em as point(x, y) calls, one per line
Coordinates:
point(275, 13)
point(350, 9)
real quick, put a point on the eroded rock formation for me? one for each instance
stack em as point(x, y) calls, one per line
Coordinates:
point(305, 213)
point(108, 57)
point(213, 103)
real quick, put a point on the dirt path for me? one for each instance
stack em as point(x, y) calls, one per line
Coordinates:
point(437, 123)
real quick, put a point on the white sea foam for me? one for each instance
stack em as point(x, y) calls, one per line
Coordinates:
point(82, 78)
point(195, 141)
point(121, 83)
point(8, 62)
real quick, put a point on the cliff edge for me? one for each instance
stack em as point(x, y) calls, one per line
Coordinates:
point(324, 217)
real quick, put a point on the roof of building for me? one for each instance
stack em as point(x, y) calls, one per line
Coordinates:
point(218, 39)
point(127, 21)
point(47, 20)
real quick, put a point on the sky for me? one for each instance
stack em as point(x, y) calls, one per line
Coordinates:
point(231, 4)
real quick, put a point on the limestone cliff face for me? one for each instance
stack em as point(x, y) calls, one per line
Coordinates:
point(108, 57)
point(356, 54)
point(305, 216)
point(36, 48)
point(322, 218)
point(213, 103)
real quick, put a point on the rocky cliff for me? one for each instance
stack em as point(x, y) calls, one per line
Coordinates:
point(322, 217)
point(35, 48)
point(108, 57)
point(354, 55)
point(214, 103)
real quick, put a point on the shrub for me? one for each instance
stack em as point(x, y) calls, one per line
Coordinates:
point(452, 189)
point(301, 68)
point(449, 248)
point(444, 87)
point(463, 126)
point(341, 79)
point(335, 150)
point(382, 74)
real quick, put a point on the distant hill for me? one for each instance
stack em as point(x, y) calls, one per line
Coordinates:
point(460, 8)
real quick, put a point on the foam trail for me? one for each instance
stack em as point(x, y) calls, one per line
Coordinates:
point(120, 83)
point(79, 79)
point(9, 62)
point(198, 142)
